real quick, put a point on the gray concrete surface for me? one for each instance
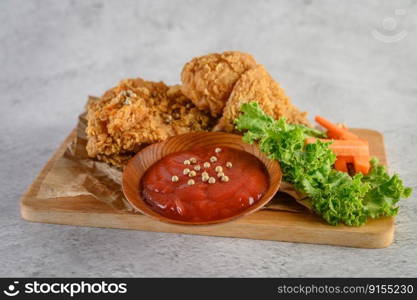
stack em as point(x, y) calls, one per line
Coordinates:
point(353, 61)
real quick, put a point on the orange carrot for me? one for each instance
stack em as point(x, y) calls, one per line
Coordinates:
point(334, 131)
point(361, 164)
point(332, 135)
point(356, 147)
point(312, 140)
point(341, 163)
point(350, 148)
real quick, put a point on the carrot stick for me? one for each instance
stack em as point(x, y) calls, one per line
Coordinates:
point(356, 147)
point(335, 131)
point(361, 164)
point(332, 135)
point(341, 163)
point(312, 140)
point(350, 148)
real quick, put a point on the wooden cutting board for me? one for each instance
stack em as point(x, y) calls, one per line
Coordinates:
point(286, 226)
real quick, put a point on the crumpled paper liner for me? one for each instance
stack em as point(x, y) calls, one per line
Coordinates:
point(75, 174)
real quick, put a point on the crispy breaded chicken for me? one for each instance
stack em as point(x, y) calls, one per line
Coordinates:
point(257, 85)
point(208, 80)
point(137, 113)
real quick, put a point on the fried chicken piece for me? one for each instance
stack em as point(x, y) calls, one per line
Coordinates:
point(137, 113)
point(208, 80)
point(257, 85)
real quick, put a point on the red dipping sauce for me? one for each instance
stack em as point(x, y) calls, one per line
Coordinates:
point(204, 184)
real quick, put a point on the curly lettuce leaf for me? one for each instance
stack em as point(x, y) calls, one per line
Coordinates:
point(335, 196)
point(385, 191)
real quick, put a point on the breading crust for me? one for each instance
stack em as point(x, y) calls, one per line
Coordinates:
point(137, 113)
point(208, 80)
point(257, 85)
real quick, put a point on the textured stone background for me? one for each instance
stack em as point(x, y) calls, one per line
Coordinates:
point(55, 53)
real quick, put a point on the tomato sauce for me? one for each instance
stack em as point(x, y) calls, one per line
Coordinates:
point(204, 184)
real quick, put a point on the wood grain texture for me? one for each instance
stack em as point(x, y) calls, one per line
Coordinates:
point(265, 224)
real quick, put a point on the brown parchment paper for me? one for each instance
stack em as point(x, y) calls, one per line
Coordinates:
point(75, 174)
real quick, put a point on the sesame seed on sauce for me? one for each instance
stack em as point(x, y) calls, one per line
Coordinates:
point(225, 178)
point(204, 178)
point(186, 171)
point(229, 165)
point(213, 159)
point(251, 200)
point(218, 169)
point(197, 168)
point(217, 150)
point(191, 182)
point(192, 174)
point(220, 174)
point(212, 180)
point(206, 165)
point(193, 160)
point(187, 162)
point(174, 178)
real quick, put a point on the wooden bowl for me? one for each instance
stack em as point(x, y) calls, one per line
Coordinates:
point(138, 165)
